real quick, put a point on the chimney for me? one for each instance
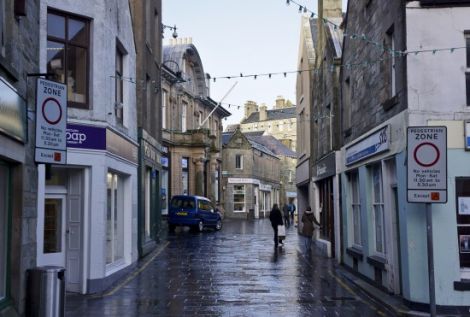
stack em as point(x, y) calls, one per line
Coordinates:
point(330, 8)
point(280, 102)
point(263, 114)
point(250, 107)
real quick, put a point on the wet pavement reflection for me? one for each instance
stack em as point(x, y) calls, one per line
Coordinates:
point(233, 272)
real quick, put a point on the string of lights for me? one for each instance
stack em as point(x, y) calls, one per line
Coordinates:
point(393, 54)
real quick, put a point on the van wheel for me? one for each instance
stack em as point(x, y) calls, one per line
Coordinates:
point(200, 226)
point(218, 225)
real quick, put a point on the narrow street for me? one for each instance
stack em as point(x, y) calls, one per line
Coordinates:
point(234, 272)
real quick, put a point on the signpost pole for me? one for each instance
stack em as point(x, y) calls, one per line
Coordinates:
point(432, 288)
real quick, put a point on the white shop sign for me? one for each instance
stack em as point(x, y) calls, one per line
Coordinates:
point(427, 164)
point(234, 180)
point(51, 122)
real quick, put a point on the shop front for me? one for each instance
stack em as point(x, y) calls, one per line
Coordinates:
point(86, 209)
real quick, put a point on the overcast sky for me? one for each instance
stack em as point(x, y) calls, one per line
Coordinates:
point(242, 36)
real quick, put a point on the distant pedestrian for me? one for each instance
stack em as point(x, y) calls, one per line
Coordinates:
point(292, 212)
point(309, 221)
point(285, 212)
point(276, 219)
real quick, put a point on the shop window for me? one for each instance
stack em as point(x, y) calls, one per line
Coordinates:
point(463, 220)
point(467, 72)
point(4, 232)
point(239, 198)
point(239, 161)
point(148, 204)
point(67, 55)
point(114, 219)
point(164, 192)
point(355, 208)
point(185, 175)
point(378, 208)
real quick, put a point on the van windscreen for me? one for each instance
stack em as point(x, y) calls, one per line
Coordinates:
point(182, 202)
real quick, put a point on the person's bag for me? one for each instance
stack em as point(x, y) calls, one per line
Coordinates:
point(281, 231)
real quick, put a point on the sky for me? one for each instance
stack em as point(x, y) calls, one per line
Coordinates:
point(242, 36)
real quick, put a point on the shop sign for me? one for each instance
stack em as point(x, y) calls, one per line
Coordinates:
point(164, 161)
point(427, 164)
point(12, 112)
point(467, 135)
point(120, 146)
point(326, 167)
point(374, 144)
point(265, 187)
point(51, 122)
point(86, 137)
point(150, 152)
point(234, 180)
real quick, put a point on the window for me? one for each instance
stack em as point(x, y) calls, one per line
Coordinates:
point(114, 219)
point(4, 212)
point(148, 100)
point(148, 24)
point(390, 44)
point(467, 73)
point(52, 225)
point(67, 55)
point(355, 208)
point(2, 30)
point(378, 208)
point(119, 94)
point(462, 190)
point(239, 161)
point(200, 119)
point(239, 198)
point(164, 101)
point(184, 111)
point(156, 32)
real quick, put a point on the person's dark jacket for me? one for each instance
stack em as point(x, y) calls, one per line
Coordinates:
point(308, 219)
point(276, 217)
point(285, 210)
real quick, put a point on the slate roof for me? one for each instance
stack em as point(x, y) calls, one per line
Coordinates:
point(274, 114)
point(226, 136)
point(273, 144)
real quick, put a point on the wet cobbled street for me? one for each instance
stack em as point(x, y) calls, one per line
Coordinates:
point(233, 272)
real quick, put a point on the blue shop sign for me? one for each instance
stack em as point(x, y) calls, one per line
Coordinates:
point(467, 135)
point(164, 161)
point(374, 144)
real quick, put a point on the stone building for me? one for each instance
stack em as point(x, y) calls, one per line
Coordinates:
point(384, 235)
point(148, 41)
point(304, 90)
point(325, 125)
point(87, 207)
point(251, 177)
point(192, 125)
point(18, 177)
point(280, 122)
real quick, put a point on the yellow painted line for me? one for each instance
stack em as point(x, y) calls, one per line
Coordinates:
point(346, 287)
point(134, 274)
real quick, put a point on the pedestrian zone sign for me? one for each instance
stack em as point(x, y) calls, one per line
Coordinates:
point(427, 164)
point(51, 122)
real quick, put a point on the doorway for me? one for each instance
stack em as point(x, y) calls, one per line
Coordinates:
point(60, 237)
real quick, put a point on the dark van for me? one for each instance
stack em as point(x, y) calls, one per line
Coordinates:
point(196, 212)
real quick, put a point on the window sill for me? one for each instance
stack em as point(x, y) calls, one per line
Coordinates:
point(355, 253)
point(390, 103)
point(377, 261)
point(462, 285)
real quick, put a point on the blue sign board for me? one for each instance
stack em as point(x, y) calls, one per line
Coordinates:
point(86, 137)
point(375, 143)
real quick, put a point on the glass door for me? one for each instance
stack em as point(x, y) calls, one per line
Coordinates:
point(54, 230)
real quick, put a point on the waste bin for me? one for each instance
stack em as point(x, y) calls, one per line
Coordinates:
point(46, 291)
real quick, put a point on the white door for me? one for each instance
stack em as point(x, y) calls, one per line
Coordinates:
point(54, 230)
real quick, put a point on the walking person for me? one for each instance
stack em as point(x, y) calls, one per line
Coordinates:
point(292, 212)
point(309, 221)
point(285, 212)
point(276, 219)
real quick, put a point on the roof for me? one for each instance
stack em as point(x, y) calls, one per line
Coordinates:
point(274, 114)
point(273, 144)
point(262, 148)
point(227, 136)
